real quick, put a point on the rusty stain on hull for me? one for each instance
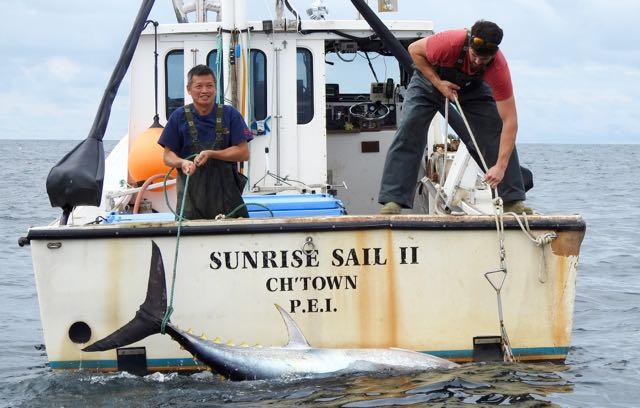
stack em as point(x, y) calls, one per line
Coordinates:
point(377, 316)
point(567, 243)
point(392, 315)
point(560, 318)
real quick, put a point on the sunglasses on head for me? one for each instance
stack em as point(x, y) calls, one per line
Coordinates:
point(479, 43)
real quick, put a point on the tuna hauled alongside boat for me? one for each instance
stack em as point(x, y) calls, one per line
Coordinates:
point(296, 358)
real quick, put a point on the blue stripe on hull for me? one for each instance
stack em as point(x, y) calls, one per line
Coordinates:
point(158, 363)
point(113, 364)
point(518, 352)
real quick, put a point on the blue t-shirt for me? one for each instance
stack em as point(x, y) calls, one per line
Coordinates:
point(176, 135)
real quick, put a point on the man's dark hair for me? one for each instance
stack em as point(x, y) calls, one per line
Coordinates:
point(199, 70)
point(490, 33)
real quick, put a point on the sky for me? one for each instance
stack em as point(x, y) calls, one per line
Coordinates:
point(575, 64)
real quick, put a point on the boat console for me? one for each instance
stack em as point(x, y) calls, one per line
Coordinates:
point(362, 112)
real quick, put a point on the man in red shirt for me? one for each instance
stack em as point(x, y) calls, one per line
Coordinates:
point(469, 66)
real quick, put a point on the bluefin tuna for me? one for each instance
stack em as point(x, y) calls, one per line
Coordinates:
point(296, 358)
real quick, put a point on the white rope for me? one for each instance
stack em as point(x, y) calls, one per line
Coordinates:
point(445, 131)
point(473, 139)
point(499, 219)
point(540, 241)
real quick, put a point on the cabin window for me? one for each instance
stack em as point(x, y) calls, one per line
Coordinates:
point(359, 78)
point(174, 81)
point(259, 84)
point(212, 62)
point(304, 84)
point(354, 76)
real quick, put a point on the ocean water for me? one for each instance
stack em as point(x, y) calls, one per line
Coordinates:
point(601, 182)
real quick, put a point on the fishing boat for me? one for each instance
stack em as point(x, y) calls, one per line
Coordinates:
point(455, 277)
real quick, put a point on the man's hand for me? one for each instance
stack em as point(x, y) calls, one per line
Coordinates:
point(494, 175)
point(448, 89)
point(188, 167)
point(202, 157)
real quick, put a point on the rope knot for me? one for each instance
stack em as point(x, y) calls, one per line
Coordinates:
point(545, 239)
point(165, 318)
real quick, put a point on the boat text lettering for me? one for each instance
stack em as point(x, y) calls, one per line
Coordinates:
point(289, 284)
point(264, 259)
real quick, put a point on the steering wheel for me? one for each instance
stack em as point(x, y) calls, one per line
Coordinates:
point(369, 111)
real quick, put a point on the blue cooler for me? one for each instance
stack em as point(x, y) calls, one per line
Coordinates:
point(289, 205)
point(293, 205)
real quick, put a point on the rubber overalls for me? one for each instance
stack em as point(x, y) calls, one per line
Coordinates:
point(216, 187)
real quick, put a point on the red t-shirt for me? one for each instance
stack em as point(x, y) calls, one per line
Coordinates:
point(443, 50)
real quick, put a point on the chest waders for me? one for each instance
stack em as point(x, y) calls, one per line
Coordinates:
point(216, 187)
point(454, 74)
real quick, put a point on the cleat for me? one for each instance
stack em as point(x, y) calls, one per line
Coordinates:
point(243, 344)
point(203, 337)
point(217, 340)
point(230, 343)
point(189, 331)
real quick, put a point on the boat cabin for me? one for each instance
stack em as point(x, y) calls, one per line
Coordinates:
point(323, 102)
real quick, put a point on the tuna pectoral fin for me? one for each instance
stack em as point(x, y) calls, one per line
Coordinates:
point(148, 319)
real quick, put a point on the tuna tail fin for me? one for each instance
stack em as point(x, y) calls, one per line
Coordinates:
point(148, 318)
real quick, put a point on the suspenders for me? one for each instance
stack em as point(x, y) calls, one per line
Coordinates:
point(193, 132)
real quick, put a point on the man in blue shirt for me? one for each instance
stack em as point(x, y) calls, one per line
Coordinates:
point(217, 137)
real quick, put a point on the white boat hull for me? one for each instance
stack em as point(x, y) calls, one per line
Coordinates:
point(415, 282)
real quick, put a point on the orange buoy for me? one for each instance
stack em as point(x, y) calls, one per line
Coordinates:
point(145, 156)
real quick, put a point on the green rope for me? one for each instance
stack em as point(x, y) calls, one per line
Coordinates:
point(233, 212)
point(249, 78)
point(169, 311)
point(219, 84)
point(249, 95)
point(180, 218)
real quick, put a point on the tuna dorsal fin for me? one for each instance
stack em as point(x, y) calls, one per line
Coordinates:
point(296, 338)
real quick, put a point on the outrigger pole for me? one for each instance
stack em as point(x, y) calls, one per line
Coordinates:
point(78, 177)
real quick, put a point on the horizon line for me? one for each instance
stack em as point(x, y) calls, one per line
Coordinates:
point(520, 143)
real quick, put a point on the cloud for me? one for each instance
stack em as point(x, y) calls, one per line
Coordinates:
point(62, 68)
point(575, 67)
point(575, 102)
